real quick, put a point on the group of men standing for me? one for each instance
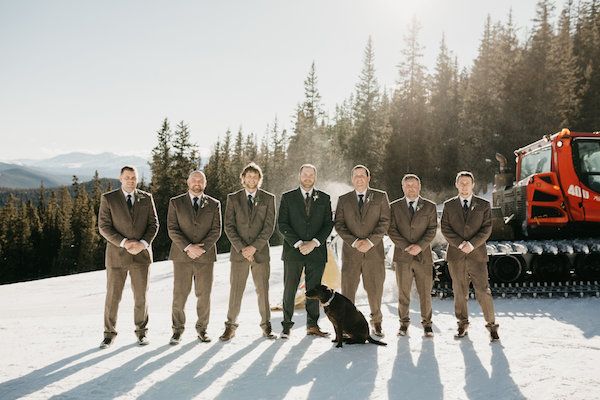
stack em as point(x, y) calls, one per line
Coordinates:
point(128, 220)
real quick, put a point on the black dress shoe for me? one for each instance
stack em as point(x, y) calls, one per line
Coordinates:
point(203, 337)
point(143, 340)
point(175, 339)
point(285, 333)
point(403, 331)
point(107, 342)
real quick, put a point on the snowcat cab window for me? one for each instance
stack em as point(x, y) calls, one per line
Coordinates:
point(536, 162)
point(586, 159)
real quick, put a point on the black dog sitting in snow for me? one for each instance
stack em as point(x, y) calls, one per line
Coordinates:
point(346, 319)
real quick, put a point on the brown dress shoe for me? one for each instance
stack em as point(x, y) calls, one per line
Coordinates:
point(377, 329)
point(463, 330)
point(203, 337)
point(428, 331)
point(228, 334)
point(316, 331)
point(268, 332)
point(493, 332)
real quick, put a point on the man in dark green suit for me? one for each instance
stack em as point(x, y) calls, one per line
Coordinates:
point(305, 221)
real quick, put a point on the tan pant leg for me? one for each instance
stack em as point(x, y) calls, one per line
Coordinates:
point(404, 280)
point(115, 280)
point(424, 281)
point(478, 273)
point(460, 287)
point(373, 273)
point(182, 285)
point(237, 279)
point(139, 285)
point(260, 275)
point(203, 279)
point(351, 271)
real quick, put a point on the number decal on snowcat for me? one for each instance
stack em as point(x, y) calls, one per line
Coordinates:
point(577, 191)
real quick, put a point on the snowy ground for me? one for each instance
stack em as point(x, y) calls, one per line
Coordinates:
point(50, 331)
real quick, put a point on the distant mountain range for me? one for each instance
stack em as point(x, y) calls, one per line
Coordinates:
point(59, 170)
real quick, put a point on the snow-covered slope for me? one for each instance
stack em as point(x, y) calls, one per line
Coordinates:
point(50, 331)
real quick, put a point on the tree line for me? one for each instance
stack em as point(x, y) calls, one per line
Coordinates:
point(432, 123)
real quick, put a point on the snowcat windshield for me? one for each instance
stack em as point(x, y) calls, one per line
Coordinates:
point(586, 158)
point(536, 162)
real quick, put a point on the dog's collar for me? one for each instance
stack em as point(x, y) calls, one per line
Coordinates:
point(329, 301)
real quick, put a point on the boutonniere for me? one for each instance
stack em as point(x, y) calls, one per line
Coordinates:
point(315, 196)
point(369, 197)
point(419, 206)
point(203, 202)
point(472, 207)
point(255, 201)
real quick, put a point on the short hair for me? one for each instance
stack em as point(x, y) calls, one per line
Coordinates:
point(307, 166)
point(129, 168)
point(359, 166)
point(252, 167)
point(409, 177)
point(464, 173)
point(196, 171)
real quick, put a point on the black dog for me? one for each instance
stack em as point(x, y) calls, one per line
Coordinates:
point(344, 316)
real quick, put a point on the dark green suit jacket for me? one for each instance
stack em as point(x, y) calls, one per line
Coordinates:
point(294, 224)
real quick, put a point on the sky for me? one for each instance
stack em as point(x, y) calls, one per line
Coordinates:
point(101, 76)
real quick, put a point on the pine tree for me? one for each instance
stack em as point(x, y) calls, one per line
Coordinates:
point(185, 157)
point(162, 187)
point(408, 117)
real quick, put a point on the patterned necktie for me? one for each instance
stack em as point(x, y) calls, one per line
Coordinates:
point(465, 206)
point(129, 202)
point(196, 204)
point(250, 202)
point(411, 209)
point(361, 203)
point(307, 204)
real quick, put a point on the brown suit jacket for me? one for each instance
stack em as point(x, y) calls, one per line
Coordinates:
point(116, 223)
point(250, 227)
point(372, 223)
point(187, 226)
point(476, 228)
point(420, 230)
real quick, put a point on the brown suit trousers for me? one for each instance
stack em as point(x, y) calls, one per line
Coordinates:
point(405, 230)
point(249, 226)
point(115, 223)
point(371, 222)
point(187, 226)
point(474, 226)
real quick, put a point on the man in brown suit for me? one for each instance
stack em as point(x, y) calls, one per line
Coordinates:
point(249, 224)
point(413, 227)
point(466, 225)
point(362, 218)
point(194, 225)
point(128, 221)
